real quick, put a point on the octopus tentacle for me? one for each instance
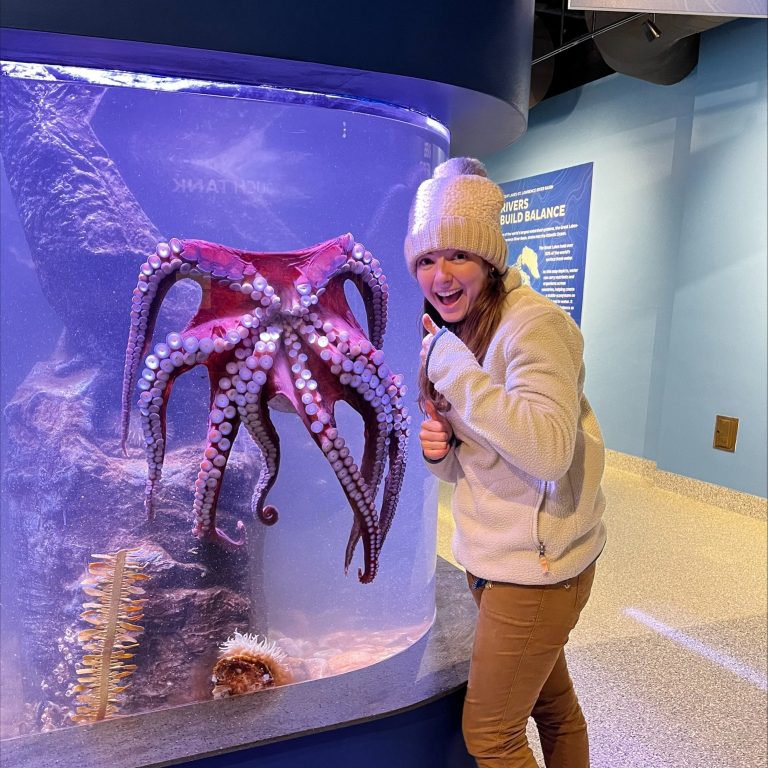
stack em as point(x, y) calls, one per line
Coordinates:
point(359, 495)
point(383, 407)
point(250, 400)
point(398, 455)
point(153, 284)
point(351, 358)
point(365, 273)
point(176, 355)
point(361, 368)
point(321, 425)
point(168, 360)
point(267, 443)
point(197, 260)
point(369, 278)
point(223, 424)
point(320, 338)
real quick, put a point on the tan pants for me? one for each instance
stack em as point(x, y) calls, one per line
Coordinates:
point(518, 670)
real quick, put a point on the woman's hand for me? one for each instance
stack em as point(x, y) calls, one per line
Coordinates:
point(436, 430)
point(426, 342)
point(435, 434)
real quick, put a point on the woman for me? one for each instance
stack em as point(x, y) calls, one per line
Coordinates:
point(507, 423)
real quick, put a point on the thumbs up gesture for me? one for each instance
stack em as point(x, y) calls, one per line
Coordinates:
point(435, 434)
point(426, 342)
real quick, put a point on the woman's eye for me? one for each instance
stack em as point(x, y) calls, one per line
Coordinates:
point(423, 263)
point(459, 256)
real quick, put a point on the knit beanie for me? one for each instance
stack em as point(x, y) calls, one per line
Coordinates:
point(459, 207)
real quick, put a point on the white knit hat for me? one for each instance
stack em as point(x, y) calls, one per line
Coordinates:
point(459, 207)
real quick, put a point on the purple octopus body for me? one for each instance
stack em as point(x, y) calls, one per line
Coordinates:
point(274, 325)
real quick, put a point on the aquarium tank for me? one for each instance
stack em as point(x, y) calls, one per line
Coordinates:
point(212, 482)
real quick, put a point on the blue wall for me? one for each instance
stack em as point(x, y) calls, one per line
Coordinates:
point(675, 291)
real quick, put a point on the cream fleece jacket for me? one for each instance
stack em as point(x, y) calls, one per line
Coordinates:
point(527, 499)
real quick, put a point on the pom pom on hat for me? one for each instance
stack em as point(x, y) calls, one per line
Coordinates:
point(458, 166)
point(459, 207)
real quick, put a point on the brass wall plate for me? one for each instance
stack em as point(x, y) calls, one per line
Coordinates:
point(726, 428)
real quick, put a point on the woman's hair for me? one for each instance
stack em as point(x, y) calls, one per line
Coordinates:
point(475, 330)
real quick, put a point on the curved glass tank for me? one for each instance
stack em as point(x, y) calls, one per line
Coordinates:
point(280, 218)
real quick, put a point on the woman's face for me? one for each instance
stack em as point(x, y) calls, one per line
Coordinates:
point(451, 281)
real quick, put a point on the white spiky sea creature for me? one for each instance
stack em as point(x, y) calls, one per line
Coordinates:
point(247, 663)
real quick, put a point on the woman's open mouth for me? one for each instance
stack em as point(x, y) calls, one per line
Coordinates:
point(449, 298)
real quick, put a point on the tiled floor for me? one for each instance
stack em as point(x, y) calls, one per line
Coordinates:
point(669, 658)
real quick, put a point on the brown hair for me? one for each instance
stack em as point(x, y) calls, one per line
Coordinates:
point(475, 330)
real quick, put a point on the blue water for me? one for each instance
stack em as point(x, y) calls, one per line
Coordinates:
point(92, 176)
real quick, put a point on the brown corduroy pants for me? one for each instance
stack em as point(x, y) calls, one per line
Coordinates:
point(518, 670)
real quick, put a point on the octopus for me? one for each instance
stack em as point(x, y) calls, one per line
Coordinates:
point(274, 330)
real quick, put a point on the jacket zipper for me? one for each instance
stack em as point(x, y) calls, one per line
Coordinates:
point(543, 562)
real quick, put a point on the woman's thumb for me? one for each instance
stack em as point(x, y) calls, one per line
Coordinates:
point(430, 409)
point(429, 324)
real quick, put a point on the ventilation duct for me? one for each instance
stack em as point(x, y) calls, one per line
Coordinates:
point(664, 59)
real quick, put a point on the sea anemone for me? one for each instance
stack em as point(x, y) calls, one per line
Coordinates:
point(248, 663)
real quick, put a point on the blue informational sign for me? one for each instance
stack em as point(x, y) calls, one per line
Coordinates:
point(545, 221)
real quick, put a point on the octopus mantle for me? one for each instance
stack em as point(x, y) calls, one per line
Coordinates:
point(273, 325)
